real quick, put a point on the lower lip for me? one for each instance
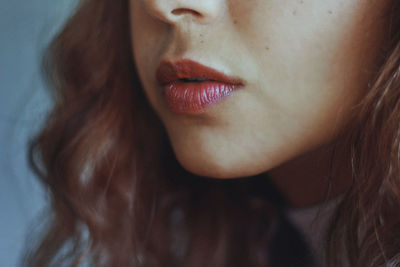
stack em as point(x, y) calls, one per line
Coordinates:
point(195, 97)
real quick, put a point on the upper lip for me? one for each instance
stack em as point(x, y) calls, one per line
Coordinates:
point(168, 72)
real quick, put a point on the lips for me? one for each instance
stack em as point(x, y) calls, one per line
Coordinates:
point(190, 87)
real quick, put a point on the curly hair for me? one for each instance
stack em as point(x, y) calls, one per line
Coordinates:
point(119, 197)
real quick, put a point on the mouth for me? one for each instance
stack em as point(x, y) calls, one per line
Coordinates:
point(193, 80)
point(191, 71)
point(189, 87)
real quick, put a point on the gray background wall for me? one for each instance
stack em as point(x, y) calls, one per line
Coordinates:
point(25, 28)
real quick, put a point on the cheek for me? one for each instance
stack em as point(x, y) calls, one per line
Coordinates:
point(146, 48)
point(316, 59)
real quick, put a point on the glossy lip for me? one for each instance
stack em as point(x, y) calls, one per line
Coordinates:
point(193, 97)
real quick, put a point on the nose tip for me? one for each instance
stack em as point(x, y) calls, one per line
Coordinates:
point(174, 11)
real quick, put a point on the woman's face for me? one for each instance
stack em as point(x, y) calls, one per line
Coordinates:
point(302, 64)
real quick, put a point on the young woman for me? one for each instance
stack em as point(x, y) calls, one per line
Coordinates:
point(297, 100)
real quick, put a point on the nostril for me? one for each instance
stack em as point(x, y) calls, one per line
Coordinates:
point(180, 11)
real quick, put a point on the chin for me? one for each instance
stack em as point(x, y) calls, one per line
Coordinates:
point(220, 166)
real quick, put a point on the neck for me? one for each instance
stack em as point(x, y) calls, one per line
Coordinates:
point(314, 177)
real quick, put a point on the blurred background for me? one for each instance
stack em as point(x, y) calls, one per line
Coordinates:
point(25, 29)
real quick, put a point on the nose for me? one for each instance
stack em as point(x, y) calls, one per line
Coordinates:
point(174, 11)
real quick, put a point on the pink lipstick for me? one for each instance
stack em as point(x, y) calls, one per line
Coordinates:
point(190, 87)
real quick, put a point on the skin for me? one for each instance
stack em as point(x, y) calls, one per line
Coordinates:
point(305, 63)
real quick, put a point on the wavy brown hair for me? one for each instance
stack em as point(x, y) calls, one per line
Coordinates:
point(119, 198)
point(366, 226)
